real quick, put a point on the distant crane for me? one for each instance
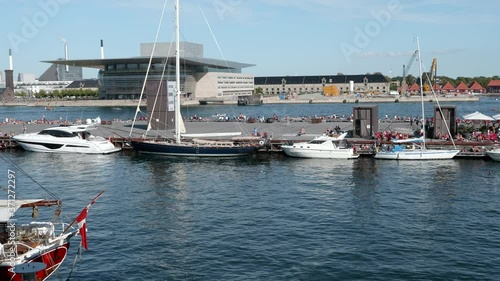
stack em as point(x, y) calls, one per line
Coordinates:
point(433, 76)
point(405, 71)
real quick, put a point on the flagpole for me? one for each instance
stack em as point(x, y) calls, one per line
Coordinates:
point(87, 207)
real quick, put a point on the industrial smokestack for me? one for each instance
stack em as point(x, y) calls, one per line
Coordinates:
point(9, 73)
point(10, 60)
point(102, 49)
point(65, 52)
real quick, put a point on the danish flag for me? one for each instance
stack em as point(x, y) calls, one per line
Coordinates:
point(82, 224)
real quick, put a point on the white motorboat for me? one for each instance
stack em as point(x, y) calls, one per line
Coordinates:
point(321, 147)
point(494, 154)
point(66, 139)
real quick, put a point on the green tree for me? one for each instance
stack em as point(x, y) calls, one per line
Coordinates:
point(56, 94)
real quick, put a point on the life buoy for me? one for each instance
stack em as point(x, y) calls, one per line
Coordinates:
point(261, 142)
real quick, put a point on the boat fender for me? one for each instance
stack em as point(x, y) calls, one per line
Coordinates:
point(396, 100)
point(344, 101)
point(35, 212)
point(261, 142)
point(356, 101)
point(310, 101)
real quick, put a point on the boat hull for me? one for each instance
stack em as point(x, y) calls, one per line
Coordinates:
point(52, 257)
point(317, 153)
point(494, 154)
point(417, 154)
point(324, 146)
point(172, 149)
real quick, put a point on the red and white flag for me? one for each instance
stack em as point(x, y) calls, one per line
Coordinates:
point(82, 224)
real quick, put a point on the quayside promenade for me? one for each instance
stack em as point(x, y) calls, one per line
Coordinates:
point(278, 132)
point(299, 99)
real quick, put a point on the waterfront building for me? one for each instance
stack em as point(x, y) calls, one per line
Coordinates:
point(493, 86)
point(61, 72)
point(475, 87)
point(26, 77)
point(123, 78)
point(462, 88)
point(294, 85)
point(91, 84)
point(448, 88)
point(436, 88)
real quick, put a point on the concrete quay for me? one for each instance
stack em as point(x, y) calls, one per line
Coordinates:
point(299, 99)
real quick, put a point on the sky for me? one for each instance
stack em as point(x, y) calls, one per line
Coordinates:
point(280, 37)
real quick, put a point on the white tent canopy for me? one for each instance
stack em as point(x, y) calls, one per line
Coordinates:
point(478, 116)
point(497, 117)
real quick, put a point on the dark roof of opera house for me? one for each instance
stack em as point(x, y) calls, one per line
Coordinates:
point(317, 79)
point(86, 83)
point(101, 63)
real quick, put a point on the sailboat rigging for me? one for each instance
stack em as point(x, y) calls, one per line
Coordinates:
point(181, 145)
point(418, 151)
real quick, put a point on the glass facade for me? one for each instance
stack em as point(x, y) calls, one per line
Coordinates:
point(125, 81)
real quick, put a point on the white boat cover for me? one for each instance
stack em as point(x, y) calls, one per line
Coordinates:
point(9, 207)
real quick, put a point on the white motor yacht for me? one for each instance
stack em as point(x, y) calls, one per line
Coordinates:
point(66, 139)
point(321, 147)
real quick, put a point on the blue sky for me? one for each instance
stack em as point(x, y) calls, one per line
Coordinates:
point(282, 37)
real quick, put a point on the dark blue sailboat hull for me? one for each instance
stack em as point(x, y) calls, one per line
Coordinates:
point(173, 149)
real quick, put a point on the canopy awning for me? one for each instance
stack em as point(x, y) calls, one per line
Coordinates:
point(496, 117)
point(478, 116)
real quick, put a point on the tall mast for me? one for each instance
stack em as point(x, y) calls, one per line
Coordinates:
point(421, 90)
point(177, 99)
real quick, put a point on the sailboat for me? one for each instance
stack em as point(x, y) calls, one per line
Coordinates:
point(415, 149)
point(32, 249)
point(196, 145)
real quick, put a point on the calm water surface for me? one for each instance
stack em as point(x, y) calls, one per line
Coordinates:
point(487, 105)
point(271, 217)
point(276, 218)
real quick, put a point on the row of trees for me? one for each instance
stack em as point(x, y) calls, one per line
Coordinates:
point(66, 93)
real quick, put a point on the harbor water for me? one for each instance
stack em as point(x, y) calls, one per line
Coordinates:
point(270, 217)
